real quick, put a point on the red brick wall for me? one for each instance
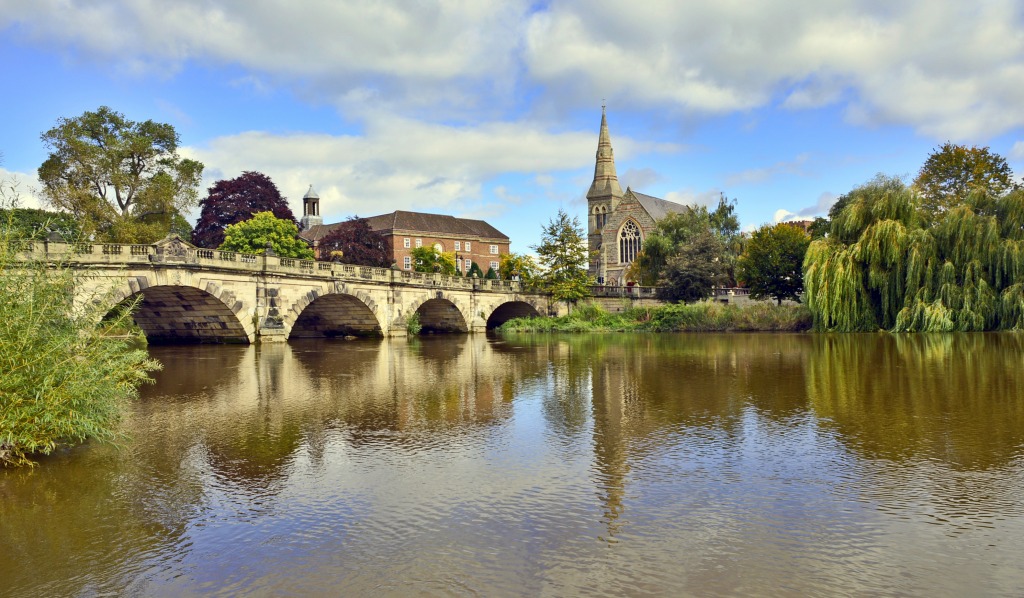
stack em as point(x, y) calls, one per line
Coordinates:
point(479, 253)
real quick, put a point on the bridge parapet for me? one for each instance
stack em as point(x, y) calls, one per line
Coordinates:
point(182, 254)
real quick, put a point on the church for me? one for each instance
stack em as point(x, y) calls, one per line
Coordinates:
point(618, 222)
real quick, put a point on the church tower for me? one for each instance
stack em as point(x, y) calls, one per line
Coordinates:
point(602, 198)
point(310, 210)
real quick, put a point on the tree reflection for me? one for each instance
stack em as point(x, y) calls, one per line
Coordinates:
point(955, 398)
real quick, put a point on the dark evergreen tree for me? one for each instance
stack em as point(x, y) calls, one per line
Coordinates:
point(235, 200)
point(354, 242)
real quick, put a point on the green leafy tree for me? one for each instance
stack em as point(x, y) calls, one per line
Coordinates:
point(522, 265)
point(772, 265)
point(123, 180)
point(889, 263)
point(678, 229)
point(563, 254)
point(62, 380)
point(491, 274)
point(694, 272)
point(252, 236)
point(429, 259)
point(952, 172)
point(35, 223)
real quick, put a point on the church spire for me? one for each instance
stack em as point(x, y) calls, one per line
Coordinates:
point(606, 182)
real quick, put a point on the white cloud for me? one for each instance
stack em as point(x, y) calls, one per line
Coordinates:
point(404, 164)
point(1017, 152)
point(947, 68)
point(760, 175)
point(19, 187)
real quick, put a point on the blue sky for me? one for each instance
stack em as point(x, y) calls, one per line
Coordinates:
point(491, 109)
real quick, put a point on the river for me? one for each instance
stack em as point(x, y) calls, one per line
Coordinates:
point(597, 465)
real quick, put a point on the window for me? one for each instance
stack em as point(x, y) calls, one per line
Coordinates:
point(438, 248)
point(494, 250)
point(419, 242)
point(406, 243)
point(468, 248)
point(458, 265)
point(494, 265)
point(600, 217)
point(407, 263)
point(458, 246)
point(629, 242)
point(469, 264)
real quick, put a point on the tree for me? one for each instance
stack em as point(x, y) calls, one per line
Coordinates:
point(491, 274)
point(123, 180)
point(511, 265)
point(253, 235)
point(429, 259)
point(951, 172)
point(475, 271)
point(62, 380)
point(354, 242)
point(234, 200)
point(678, 229)
point(772, 265)
point(888, 263)
point(563, 253)
point(693, 273)
point(35, 223)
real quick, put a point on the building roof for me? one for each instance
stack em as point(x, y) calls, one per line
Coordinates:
point(658, 208)
point(311, 194)
point(417, 222)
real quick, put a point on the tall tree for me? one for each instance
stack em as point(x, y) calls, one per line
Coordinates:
point(234, 200)
point(354, 242)
point(772, 265)
point(253, 235)
point(889, 264)
point(429, 259)
point(563, 253)
point(122, 179)
point(952, 171)
point(511, 265)
point(694, 272)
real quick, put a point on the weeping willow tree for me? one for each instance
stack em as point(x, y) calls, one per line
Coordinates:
point(884, 265)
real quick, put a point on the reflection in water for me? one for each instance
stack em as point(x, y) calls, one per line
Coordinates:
point(604, 465)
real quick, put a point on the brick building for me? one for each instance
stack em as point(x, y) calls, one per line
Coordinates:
point(618, 222)
point(470, 240)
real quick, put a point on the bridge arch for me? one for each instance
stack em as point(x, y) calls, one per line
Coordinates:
point(441, 313)
point(511, 309)
point(186, 314)
point(335, 314)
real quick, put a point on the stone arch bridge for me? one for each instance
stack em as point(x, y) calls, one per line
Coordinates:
point(188, 294)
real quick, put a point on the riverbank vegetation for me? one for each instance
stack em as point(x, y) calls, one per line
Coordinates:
point(705, 316)
point(892, 262)
point(63, 379)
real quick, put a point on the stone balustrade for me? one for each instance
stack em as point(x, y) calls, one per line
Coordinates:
point(86, 254)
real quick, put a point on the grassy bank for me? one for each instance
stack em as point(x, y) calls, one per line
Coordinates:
point(697, 317)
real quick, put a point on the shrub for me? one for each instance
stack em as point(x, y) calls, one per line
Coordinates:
point(62, 379)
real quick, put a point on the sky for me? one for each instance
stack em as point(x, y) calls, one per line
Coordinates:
point(491, 110)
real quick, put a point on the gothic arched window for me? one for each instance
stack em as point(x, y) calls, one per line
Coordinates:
point(629, 242)
point(600, 217)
